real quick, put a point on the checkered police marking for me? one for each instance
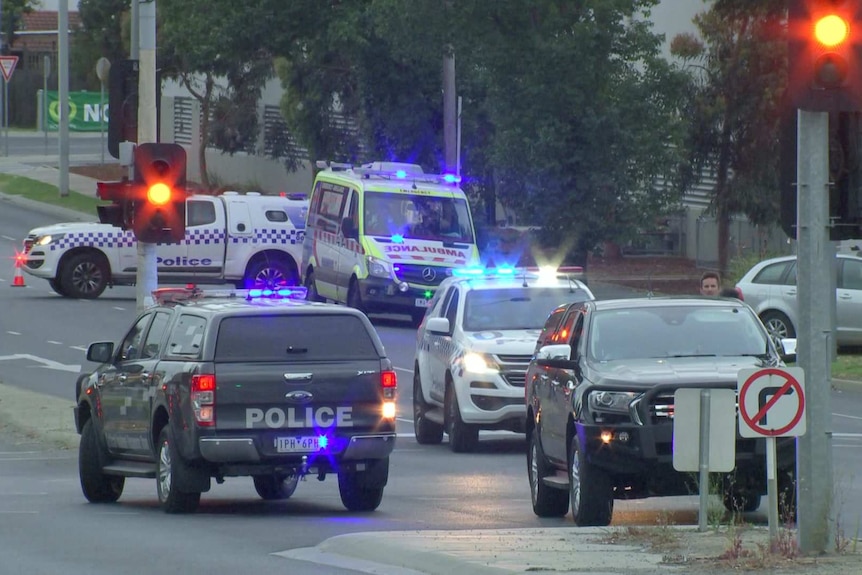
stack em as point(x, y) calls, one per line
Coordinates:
point(272, 236)
point(205, 237)
point(119, 239)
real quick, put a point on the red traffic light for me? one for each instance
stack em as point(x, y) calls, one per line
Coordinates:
point(825, 55)
point(159, 194)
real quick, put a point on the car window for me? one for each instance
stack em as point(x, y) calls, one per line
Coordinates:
point(851, 274)
point(773, 274)
point(564, 332)
point(155, 335)
point(514, 307)
point(200, 213)
point(130, 349)
point(675, 331)
point(550, 326)
point(452, 308)
point(294, 338)
point(187, 337)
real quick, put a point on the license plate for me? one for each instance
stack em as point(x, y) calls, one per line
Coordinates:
point(422, 302)
point(297, 444)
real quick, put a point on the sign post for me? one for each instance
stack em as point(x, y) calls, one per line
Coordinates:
point(771, 404)
point(7, 66)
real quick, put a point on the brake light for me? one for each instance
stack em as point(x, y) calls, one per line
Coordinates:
point(388, 379)
point(203, 399)
point(389, 383)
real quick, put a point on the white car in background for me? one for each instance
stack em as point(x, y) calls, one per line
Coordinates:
point(769, 288)
point(474, 345)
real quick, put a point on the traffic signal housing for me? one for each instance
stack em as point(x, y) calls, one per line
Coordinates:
point(825, 55)
point(122, 105)
point(159, 206)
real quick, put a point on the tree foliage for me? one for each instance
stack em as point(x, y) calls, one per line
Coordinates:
point(738, 70)
point(104, 33)
point(13, 11)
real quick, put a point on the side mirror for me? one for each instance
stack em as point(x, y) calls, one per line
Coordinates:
point(438, 325)
point(557, 356)
point(788, 349)
point(101, 352)
point(348, 229)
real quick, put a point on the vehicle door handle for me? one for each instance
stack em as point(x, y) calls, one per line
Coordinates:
point(791, 292)
point(845, 296)
point(145, 375)
point(543, 377)
point(298, 376)
point(122, 378)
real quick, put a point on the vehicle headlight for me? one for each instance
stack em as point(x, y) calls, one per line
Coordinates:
point(45, 240)
point(479, 363)
point(611, 401)
point(378, 268)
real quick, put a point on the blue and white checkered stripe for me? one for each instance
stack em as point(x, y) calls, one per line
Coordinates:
point(112, 239)
point(272, 236)
point(204, 236)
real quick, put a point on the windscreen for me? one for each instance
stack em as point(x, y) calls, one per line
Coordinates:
point(515, 307)
point(289, 338)
point(683, 331)
point(418, 217)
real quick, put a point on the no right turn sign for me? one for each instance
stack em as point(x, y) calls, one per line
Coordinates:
point(771, 402)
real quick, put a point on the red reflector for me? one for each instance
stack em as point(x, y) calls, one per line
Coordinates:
point(203, 382)
point(388, 379)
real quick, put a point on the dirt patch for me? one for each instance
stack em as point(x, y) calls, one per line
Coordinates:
point(104, 173)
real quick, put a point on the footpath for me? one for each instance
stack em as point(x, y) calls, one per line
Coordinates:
point(616, 550)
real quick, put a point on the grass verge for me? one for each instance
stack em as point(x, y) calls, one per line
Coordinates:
point(48, 194)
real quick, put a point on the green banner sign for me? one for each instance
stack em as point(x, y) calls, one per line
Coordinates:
point(85, 111)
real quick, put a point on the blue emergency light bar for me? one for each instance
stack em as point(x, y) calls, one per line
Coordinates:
point(191, 292)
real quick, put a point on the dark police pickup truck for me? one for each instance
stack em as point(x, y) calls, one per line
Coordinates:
point(238, 383)
point(600, 402)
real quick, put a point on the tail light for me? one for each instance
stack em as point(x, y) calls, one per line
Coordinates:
point(203, 399)
point(389, 384)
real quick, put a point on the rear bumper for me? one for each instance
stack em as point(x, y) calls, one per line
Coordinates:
point(383, 295)
point(250, 450)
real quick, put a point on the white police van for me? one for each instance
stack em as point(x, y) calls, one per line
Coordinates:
point(251, 240)
point(475, 344)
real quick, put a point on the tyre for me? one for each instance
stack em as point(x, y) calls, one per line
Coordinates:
point(363, 490)
point(311, 288)
point(57, 286)
point(427, 432)
point(271, 273)
point(275, 487)
point(354, 297)
point(547, 501)
point(84, 276)
point(463, 437)
point(168, 470)
point(97, 487)
point(735, 501)
point(590, 490)
point(778, 325)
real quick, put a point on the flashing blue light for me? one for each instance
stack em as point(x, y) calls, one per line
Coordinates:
point(400, 174)
point(323, 442)
point(297, 292)
point(397, 239)
point(468, 272)
point(505, 271)
point(452, 178)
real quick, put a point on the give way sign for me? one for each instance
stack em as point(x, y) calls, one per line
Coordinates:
point(771, 402)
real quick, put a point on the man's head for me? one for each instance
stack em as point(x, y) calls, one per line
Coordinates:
point(710, 283)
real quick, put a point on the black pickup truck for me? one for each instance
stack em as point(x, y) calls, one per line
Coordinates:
point(238, 383)
point(600, 396)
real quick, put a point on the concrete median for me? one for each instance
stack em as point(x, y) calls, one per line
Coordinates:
point(36, 416)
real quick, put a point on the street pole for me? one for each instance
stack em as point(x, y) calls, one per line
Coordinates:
point(449, 111)
point(814, 337)
point(147, 279)
point(63, 96)
point(46, 71)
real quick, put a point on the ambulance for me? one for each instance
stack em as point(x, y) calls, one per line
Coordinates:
point(381, 237)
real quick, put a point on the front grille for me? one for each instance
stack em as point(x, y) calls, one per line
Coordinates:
point(661, 409)
point(418, 274)
point(513, 368)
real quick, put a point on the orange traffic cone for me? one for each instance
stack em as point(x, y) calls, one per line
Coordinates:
point(18, 280)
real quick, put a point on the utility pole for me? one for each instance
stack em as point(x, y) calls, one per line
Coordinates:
point(814, 338)
point(63, 88)
point(450, 113)
point(147, 277)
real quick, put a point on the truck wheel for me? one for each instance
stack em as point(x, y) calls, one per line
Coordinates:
point(363, 490)
point(275, 487)
point(463, 437)
point(311, 288)
point(547, 501)
point(84, 276)
point(271, 273)
point(168, 469)
point(590, 490)
point(57, 286)
point(736, 500)
point(427, 432)
point(97, 487)
point(354, 297)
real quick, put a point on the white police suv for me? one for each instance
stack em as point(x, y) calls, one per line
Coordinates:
point(474, 346)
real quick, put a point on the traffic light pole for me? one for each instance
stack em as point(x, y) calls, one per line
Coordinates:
point(816, 256)
point(147, 277)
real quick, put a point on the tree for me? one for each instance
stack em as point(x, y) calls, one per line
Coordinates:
point(207, 46)
point(13, 11)
point(738, 70)
point(104, 33)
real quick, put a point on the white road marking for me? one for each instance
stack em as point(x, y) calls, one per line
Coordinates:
point(847, 416)
point(48, 363)
point(78, 347)
point(403, 369)
point(51, 341)
point(847, 435)
point(118, 308)
point(14, 332)
point(9, 238)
